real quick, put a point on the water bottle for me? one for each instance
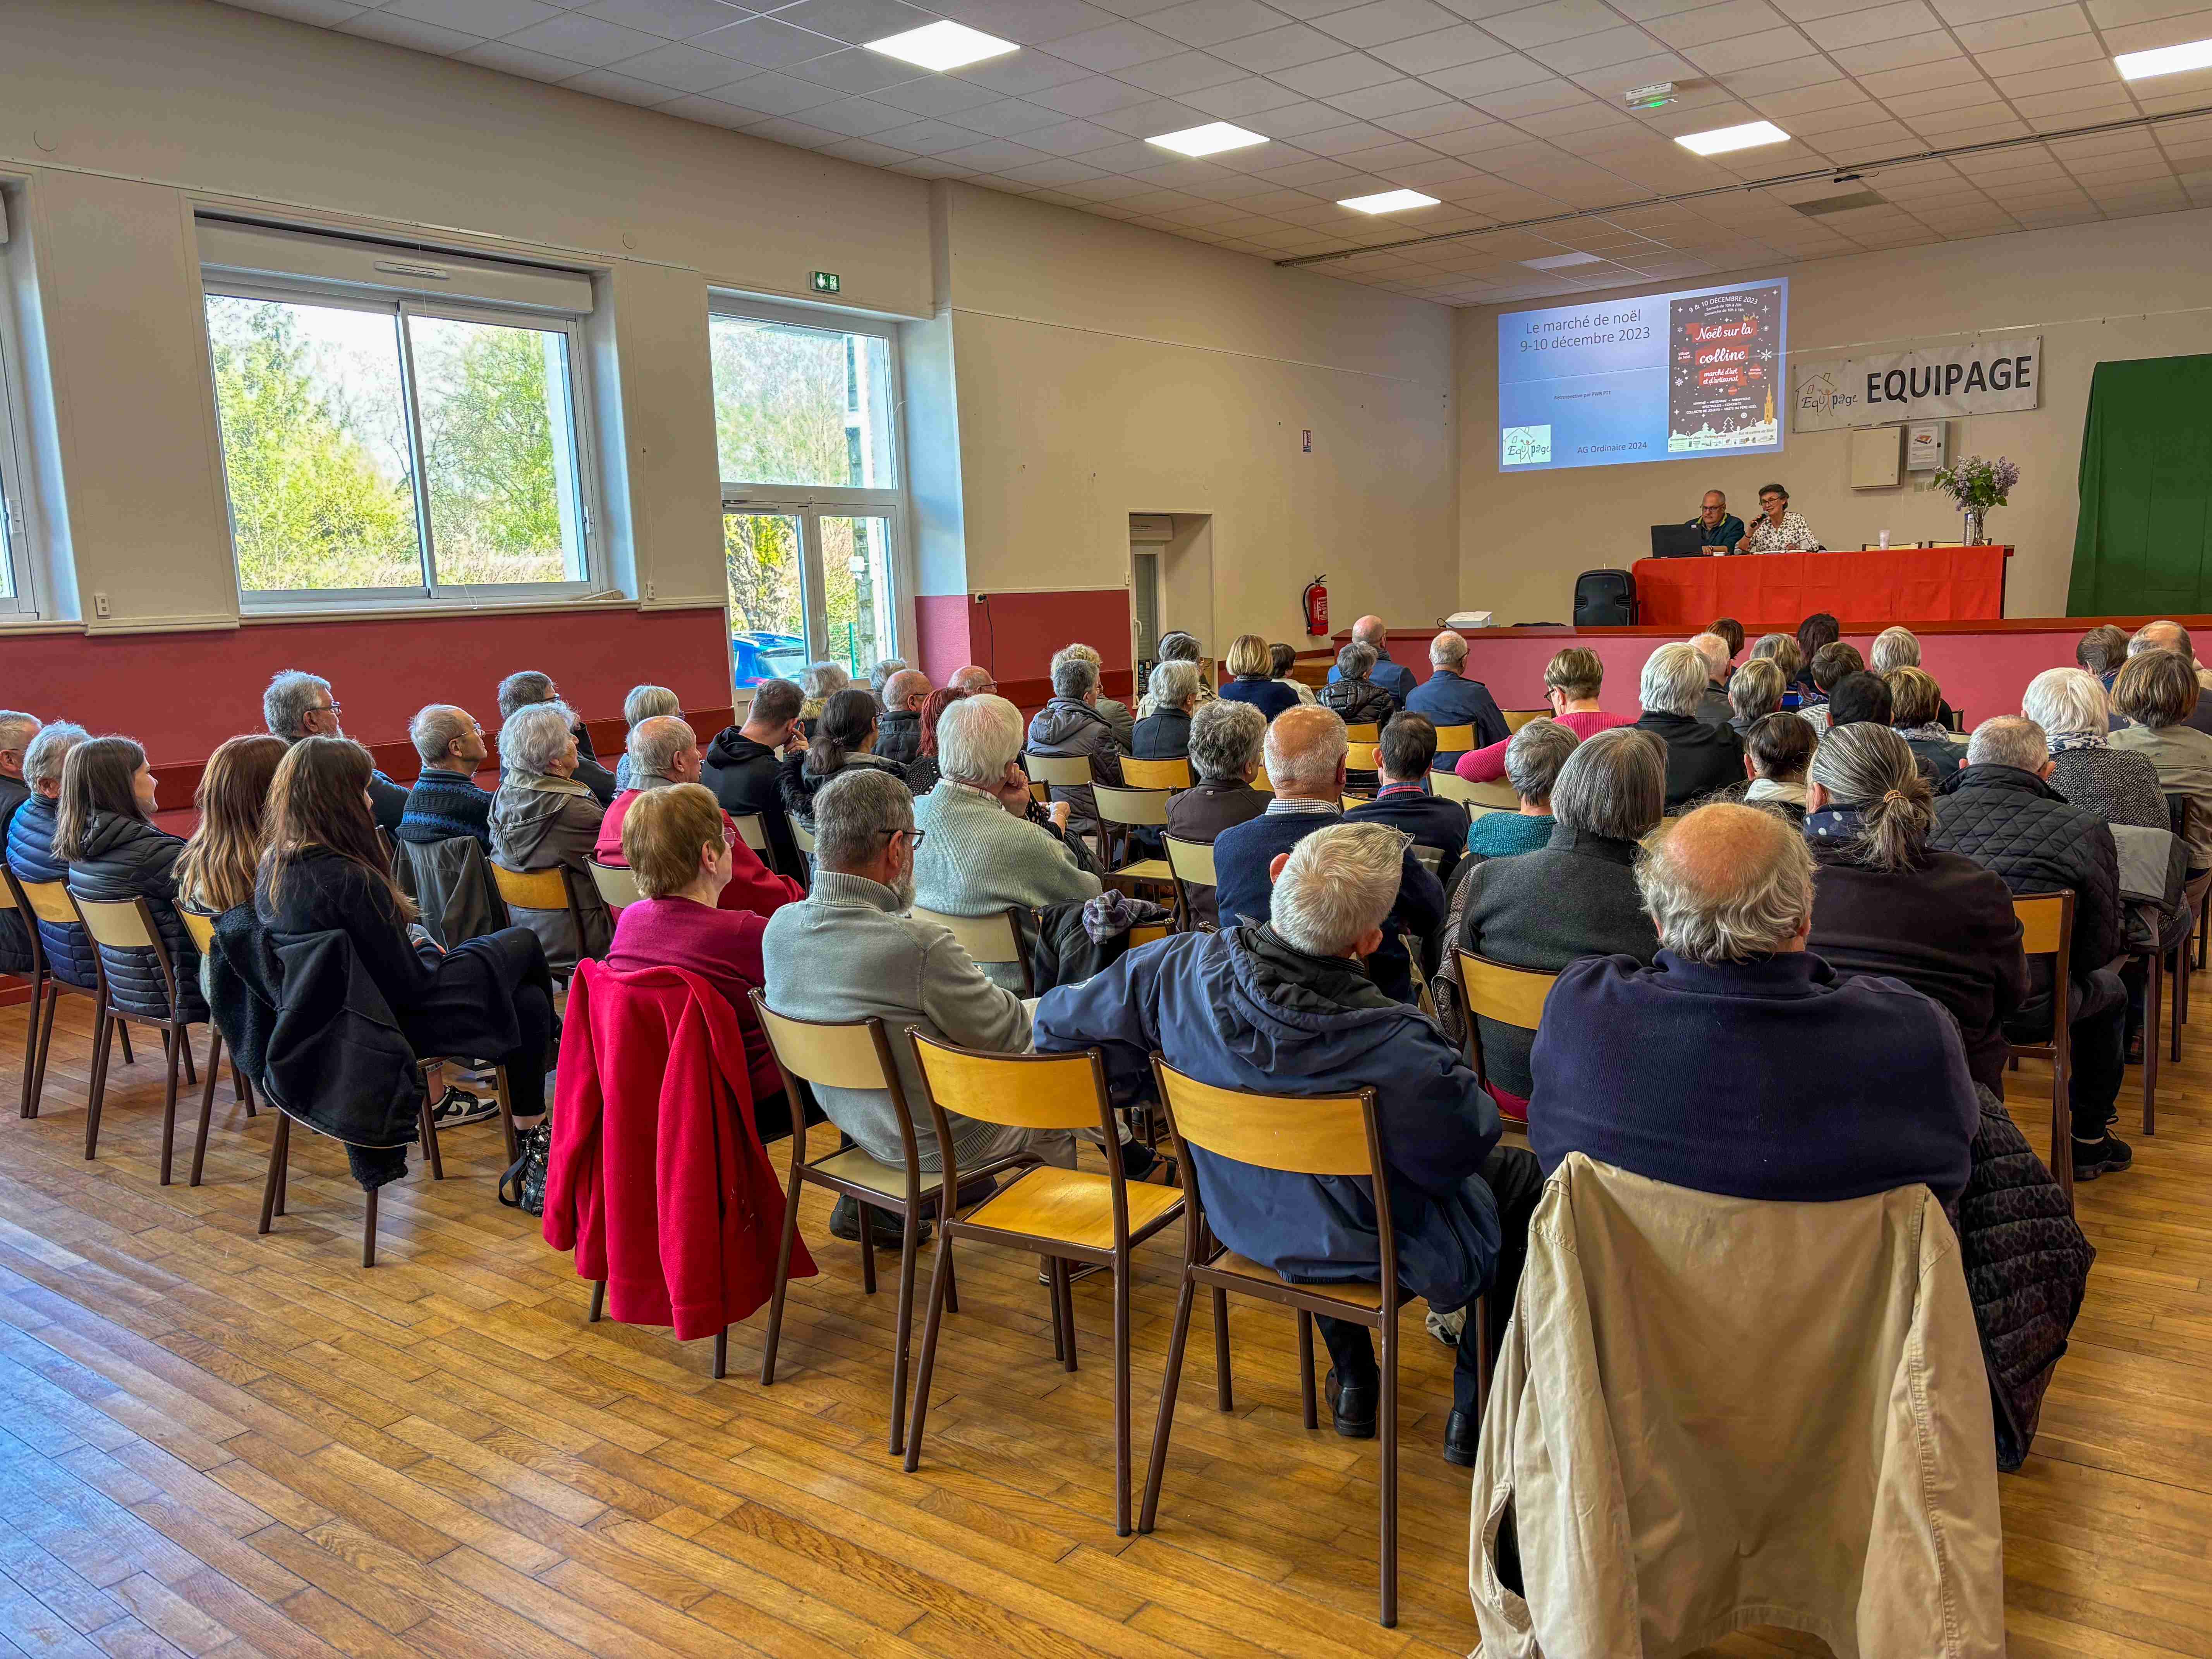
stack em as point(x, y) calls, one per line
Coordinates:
point(1885, 541)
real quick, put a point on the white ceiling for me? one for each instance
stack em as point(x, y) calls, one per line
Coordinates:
point(1502, 109)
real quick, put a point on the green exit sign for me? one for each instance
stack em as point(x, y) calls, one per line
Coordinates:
point(825, 281)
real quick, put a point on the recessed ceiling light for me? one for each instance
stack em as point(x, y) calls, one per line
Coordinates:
point(2166, 60)
point(1721, 140)
point(942, 46)
point(1562, 261)
point(1209, 140)
point(1388, 201)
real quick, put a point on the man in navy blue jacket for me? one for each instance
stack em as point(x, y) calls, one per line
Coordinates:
point(1402, 760)
point(1285, 1007)
point(1447, 697)
point(1738, 1063)
point(1394, 677)
point(1306, 751)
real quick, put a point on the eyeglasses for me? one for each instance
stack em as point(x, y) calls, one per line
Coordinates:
point(914, 836)
point(333, 707)
point(729, 835)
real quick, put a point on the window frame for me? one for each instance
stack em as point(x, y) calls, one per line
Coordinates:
point(217, 283)
point(21, 532)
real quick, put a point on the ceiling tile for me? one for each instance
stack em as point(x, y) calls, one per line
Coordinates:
point(1471, 80)
point(1293, 120)
point(1387, 98)
point(858, 118)
point(1707, 23)
point(1252, 95)
point(587, 40)
point(1058, 171)
point(683, 67)
point(1208, 22)
point(1436, 118)
point(935, 95)
point(1748, 51)
point(511, 60)
point(766, 43)
point(1950, 73)
point(713, 113)
point(1560, 20)
point(1878, 23)
point(852, 22)
point(326, 13)
point(406, 32)
point(1791, 75)
point(2163, 31)
point(866, 151)
point(1278, 49)
point(1590, 52)
point(1009, 118)
point(2044, 55)
point(2101, 77)
point(1031, 22)
point(2051, 23)
point(1091, 96)
point(927, 138)
point(1342, 140)
point(484, 17)
point(1422, 54)
point(854, 69)
point(1902, 52)
point(1153, 116)
point(774, 93)
point(1331, 76)
point(673, 20)
point(1186, 71)
point(1116, 46)
point(1072, 137)
point(622, 88)
point(1019, 74)
point(1382, 22)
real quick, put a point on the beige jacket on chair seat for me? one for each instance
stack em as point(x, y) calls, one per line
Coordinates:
point(1712, 1413)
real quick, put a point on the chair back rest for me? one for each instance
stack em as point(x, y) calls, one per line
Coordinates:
point(1451, 739)
point(1498, 796)
point(199, 926)
point(2179, 810)
point(1449, 786)
point(1363, 731)
point(751, 830)
point(50, 903)
point(1192, 861)
point(1517, 718)
point(985, 939)
point(7, 895)
point(1512, 996)
point(848, 1053)
point(801, 836)
point(1148, 808)
point(1360, 756)
point(532, 890)
point(1039, 791)
point(1021, 1091)
point(1348, 800)
point(1318, 1134)
point(1066, 770)
point(121, 925)
point(1430, 858)
point(2046, 924)
point(1148, 933)
point(1171, 774)
point(617, 885)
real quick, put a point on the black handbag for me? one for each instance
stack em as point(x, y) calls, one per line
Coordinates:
point(523, 1186)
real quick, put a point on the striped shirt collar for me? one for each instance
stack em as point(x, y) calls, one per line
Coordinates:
point(1321, 808)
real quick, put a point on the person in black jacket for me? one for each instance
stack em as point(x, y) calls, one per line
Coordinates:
point(898, 731)
point(741, 764)
point(1164, 734)
point(1701, 757)
point(31, 853)
point(1356, 699)
point(844, 736)
point(2001, 813)
point(519, 691)
point(323, 870)
point(105, 827)
point(1404, 756)
point(299, 705)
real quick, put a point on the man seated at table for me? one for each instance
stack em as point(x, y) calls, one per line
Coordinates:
point(1720, 529)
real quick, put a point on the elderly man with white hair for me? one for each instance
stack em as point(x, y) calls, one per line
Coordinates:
point(446, 803)
point(1394, 677)
point(543, 819)
point(1304, 753)
point(980, 853)
point(898, 732)
point(1288, 1005)
point(1713, 707)
point(1447, 697)
point(297, 705)
point(1701, 757)
point(1832, 1088)
point(16, 731)
point(663, 749)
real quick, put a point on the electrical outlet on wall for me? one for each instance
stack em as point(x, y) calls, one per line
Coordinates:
point(99, 605)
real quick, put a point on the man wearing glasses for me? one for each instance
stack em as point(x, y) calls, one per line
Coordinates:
point(300, 705)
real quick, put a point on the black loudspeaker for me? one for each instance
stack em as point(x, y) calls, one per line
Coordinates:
point(1605, 599)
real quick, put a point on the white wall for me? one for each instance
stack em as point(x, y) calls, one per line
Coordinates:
point(2137, 287)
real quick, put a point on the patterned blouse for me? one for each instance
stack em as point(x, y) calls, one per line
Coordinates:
point(1794, 536)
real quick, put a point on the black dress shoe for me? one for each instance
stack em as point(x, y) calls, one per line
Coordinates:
point(1352, 1405)
point(887, 1227)
point(1463, 1432)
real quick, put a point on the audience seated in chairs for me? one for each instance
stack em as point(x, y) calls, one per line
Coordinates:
point(1305, 751)
point(1775, 756)
point(1071, 724)
point(1394, 677)
point(1287, 1005)
point(879, 679)
point(2119, 786)
point(1282, 661)
point(2164, 635)
point(2001, 812)
point(1172, 692)
point(1572, 680)
point(1701, 757)
point(852, 951)
point(844, 738)
point(217, 871)
point(1915, 705)
point(678, 845)
point(1175, 646)
point(1885, 902)
point(1785, 652)
point(1899, 648)
point(2158, 691)
point(820, 682)
point(324, 870)
point(2101, 652)
point(1824, 671)
point(1251, 664)
point(1575, 896)
point(1403, 802)
point(32, 853)
point(1862, 697)
point(530, 690)
point(1730, 633)
point(1351, 695)
point(445, 803)
point(1447, 697)
point(1755, 692)
point(898, 728)
point(663, 750)
point(105, 828)
point(1117, 714)
point(16, 732)
point(644, 703)
point(978, 854)
point(742, 764)
point(1533, 760)
point(922, 772)
point(542, 818)
point(1713, 706)
point(1817, 631)
point(299, 705)
point(1224, 758)
point(1626, 1064)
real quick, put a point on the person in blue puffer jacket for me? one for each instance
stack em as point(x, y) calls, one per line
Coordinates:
point(31, 849)
point(105, 826)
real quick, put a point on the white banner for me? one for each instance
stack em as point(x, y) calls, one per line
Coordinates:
point(1986, 378)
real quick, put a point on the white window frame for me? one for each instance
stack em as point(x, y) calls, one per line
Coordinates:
point(307, 291)
point(811, 503)
point(19, 546)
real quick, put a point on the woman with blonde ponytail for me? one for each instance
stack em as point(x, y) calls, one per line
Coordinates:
point(1886, 903)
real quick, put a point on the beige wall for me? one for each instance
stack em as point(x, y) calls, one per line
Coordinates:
point(2139, 287)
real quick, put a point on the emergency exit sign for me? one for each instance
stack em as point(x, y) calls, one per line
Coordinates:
point(825, 281)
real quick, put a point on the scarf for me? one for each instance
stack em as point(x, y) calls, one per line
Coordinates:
point(2063, 741)
point(1935, 731)
point(1789, 789)
point(1834, 824)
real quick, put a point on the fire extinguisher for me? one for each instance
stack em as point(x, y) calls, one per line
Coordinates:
point(1316, 599)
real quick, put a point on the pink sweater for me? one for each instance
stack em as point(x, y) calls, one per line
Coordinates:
point(1488, 765)
point(723, 947)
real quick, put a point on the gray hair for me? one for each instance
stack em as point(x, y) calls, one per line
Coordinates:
point(42, 761)
point(1727, 883)
point(1783, 650)
point(535, 735)
point(1715, 650)
point(1173, 684)
point(1225, 739)
point(1175, 646)
point(17, 728)
point(2009, 740)
point(1614, 785)
point(287, 701)
point(655, 744)
point(1756, 689)
point(879, 675)
point(1340, 884)
point(1894, 648)
point(522, 689)
point(824, 679)
point(1356, 660)
point(977, 737)
point(1534, 757)
point(1305, 746)
point(1448, 650)
point(855, 812)
point(2067, 703)
point(2161, 635)
point(1674, 680)
point(645, 701)
point(435, 729)
point(1072, 677)
point(1870, 768)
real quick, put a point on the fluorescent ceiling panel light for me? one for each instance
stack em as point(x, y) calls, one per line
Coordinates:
point(2166, 60)
point(1561, 261)
point(1388, 201)
point(1721, 140)
point(942, 46)
point(1209, 140)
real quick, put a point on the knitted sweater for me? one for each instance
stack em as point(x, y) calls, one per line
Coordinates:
point(444, 804)
point(977, 859)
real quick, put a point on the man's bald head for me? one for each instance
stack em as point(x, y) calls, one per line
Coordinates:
point(908, 689)
point(1306, 751)
point(1729, 884)
point(972, 680)
point(1369, 630)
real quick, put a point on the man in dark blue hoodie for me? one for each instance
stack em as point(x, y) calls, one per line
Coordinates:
point(1286, 1006)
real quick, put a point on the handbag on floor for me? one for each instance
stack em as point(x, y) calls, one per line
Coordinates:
point(523, 1186)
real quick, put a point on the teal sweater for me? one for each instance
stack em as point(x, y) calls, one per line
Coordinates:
point(1501, 835)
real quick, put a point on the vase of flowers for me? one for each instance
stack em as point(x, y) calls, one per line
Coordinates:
point(1978, 485)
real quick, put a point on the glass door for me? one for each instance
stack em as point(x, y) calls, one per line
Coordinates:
point(764, 554)
point(857, 588)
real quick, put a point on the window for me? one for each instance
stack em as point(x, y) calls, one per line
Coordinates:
point(16, 520)
point(378, 446)
point(811, 492)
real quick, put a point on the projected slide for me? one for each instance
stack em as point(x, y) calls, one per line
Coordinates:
point(1661, 378)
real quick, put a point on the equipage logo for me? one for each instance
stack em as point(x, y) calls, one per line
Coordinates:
point(1526, 446)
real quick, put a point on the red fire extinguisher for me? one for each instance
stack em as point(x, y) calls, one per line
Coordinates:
point(1316, 599)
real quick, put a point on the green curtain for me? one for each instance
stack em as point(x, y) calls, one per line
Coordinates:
point(2143, 542)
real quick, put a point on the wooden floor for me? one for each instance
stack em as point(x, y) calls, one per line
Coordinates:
point(216, 1443)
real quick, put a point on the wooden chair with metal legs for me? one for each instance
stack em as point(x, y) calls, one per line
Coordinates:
point(1170, 774)
point(1517, 718)
point(49, 902)
point(996, 937)
point(752, 830)
point(1191, 864)
point(544, 890)
point(2046, 929)
point(853, 1055)
point(1365, 732)
point(201, 927)
point(617, 886)
point(1063, 1215)
point(1121, 812)
point(1511, 996)
point(1449, 786)
point(1455, 739)
point(1314, 1135)
point(802, 834)
point(128, 924)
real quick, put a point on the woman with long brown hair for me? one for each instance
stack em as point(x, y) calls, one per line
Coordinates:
point(104, 827)
point(323, 870)
point(221, 858)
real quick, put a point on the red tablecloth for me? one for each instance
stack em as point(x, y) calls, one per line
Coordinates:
point(1871, 589)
